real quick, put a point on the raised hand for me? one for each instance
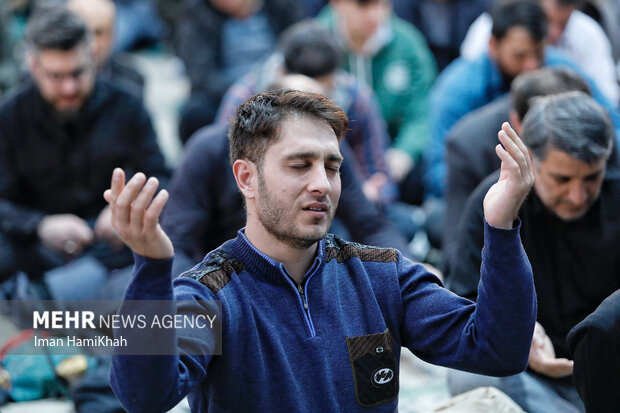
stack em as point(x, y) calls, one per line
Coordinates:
point(542, 356)
point(504, 198)
point(135, 214)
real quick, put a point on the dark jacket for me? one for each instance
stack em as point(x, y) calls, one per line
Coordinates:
point(576, 264)
point(206, 209)
point(595, 346)
point(47, 167)
point(199, 40)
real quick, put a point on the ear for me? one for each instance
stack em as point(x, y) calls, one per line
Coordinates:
point(246, 175)
point(30, 61)
point(515, 122)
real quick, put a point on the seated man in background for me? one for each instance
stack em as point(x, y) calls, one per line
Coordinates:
point(99, 16)
point(391, 56)
point(470, 145)
point(572, 32)
point(570, 232)
point(199, 221)
point(219, 41)
point(517, 45)
point(61, 136)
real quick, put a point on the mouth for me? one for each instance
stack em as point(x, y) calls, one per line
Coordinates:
point(317, 209)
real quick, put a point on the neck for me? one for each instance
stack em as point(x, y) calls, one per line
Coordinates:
point(296, 260)
point(357, 44)
point(249, 9)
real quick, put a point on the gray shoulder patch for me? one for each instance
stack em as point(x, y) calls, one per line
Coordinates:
point(342, 251)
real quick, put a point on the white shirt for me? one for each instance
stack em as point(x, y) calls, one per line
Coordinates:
point(583, 40)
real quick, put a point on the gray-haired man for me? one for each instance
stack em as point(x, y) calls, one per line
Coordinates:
point(571, 230)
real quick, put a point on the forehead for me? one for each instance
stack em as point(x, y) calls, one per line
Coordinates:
point(300, 134)
point(558, 162)
point(59, 59)
point(518, 38)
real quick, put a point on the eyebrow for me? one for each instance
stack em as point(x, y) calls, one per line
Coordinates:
point(313, 155)
point(592, 175)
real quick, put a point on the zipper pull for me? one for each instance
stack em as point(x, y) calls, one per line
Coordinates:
point(303, 296)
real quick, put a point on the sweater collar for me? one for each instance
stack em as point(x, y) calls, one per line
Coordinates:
point(260, 264)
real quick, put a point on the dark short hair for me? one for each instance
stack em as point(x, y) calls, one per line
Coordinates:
point(577, 4)
point(528, 14)
point(54, 27)
point(309, 49)
point(543, 82)
point(257, 121)
point(571, 122)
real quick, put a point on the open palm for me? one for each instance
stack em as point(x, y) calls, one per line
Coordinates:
point(504, 198)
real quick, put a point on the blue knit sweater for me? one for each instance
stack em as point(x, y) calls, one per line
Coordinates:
point(336, 346)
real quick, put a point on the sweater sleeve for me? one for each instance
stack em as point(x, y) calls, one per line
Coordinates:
point(159, 382)
point(492, 336)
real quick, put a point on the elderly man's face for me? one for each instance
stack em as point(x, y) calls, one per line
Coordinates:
point(299, 182)
point(517, 52)
point(567, 186)
point(65, 78)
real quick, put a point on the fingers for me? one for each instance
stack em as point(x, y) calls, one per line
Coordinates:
point(151, 217)
point(516, 139)
point(139, 205)
point(514, 152)
point(117, 184)
point(516, 148)
point(83, 234)
point(121, 202)
point(559, 367)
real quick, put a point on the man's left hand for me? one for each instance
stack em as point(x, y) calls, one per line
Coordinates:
point(504, 198)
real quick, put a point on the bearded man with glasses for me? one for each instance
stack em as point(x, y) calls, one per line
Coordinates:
point(61, 135)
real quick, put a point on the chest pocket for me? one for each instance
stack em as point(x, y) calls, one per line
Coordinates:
point(374, 368)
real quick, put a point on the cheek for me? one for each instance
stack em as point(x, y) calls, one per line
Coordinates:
point(593, 189)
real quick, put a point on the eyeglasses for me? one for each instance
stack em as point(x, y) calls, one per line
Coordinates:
point(58, 78)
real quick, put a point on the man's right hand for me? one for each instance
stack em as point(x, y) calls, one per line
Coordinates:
point(135, 214)
point(65, 233)
point(542, 356)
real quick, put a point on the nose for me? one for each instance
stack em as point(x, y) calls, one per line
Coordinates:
point(577, 194)
point(69, 85)
point(319, 181)
point(531, 63)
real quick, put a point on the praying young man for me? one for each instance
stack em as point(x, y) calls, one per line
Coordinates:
point(311, 322)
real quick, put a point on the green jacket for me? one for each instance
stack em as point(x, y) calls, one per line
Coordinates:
point(401, 74)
